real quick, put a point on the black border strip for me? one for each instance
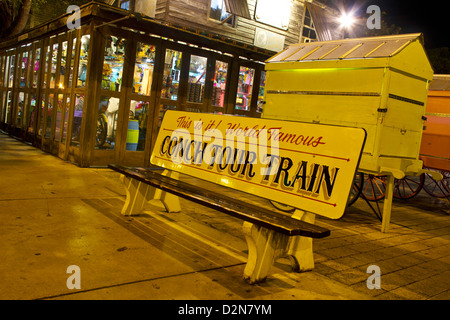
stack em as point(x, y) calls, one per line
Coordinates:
point(396, 97)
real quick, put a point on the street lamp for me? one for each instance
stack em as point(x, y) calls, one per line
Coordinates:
point(346, 20)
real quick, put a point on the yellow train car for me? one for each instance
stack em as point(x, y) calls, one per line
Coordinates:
point(379, 84)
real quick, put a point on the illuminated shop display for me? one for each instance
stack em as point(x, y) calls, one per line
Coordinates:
point(144, 68)
point(97, 95)
point(197, 75)
point(82, 65)
point(113, 63)
point(245, 87)
point(220, 83)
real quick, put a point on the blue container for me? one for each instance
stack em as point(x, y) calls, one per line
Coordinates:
point(132, 135)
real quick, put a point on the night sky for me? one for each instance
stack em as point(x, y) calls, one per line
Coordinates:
point(428, 17)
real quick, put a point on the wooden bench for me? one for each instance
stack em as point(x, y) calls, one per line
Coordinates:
point(269, 234)
point(310, 167)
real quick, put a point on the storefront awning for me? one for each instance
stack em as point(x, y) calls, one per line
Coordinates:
point(238, 7)
point(321, 20)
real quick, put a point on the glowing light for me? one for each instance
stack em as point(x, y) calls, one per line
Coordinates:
point(347, 20)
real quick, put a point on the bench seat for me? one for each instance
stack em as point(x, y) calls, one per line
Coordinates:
point(269, 233)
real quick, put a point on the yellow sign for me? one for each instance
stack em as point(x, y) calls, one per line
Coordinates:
point(307, 166)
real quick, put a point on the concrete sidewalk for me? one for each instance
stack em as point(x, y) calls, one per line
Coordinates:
point(55, 215)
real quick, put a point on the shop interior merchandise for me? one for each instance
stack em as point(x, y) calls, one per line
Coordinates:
point(143, 69)
point(196, 84)
point(245, 86)
point(171, 75)
point(82, 68)
point(220, 81)
point(113, 63)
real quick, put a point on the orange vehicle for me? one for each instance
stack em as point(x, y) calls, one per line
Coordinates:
point(434, 150)
point(435, 147)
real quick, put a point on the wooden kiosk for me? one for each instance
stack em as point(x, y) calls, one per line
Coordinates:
point(96, 95)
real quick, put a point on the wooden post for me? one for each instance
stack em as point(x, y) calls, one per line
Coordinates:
point(387, 206)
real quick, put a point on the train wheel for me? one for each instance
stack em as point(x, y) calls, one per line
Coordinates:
point(408, 187)
point(439, 189)
point(357, 186)
point(374, 187)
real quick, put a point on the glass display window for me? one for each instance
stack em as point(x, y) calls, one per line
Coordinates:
point(8, 105)
point(59, 115)
point(72, 63)
point(245, 87)
point(77, 118)
point(42, 115)
point(137, 125)
point(62, 68)
point(54, 63)
point(143, 68)
point(47, 54)
point(21, 109)
point(11, 70)
point(82, 66)
point(261, 92)
point(6, 71)
point(113, 63)
point(220, 83)
point(162, 110)
point(108, 111)
point(32, 114)
point(171, 74)
point(29, 70)
point(49, 116)
point(66, 118)
point(190, 109)
point(35, 69)
point(197, 76)
point(23, 70)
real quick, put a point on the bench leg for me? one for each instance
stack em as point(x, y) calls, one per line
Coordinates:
point(264, 247)
point(138, 194)
point(170, 201)
point(300, 248)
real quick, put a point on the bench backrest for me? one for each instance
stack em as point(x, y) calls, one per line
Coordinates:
point(307, 166)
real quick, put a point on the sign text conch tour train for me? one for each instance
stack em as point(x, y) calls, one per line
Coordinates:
point(307, 166)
